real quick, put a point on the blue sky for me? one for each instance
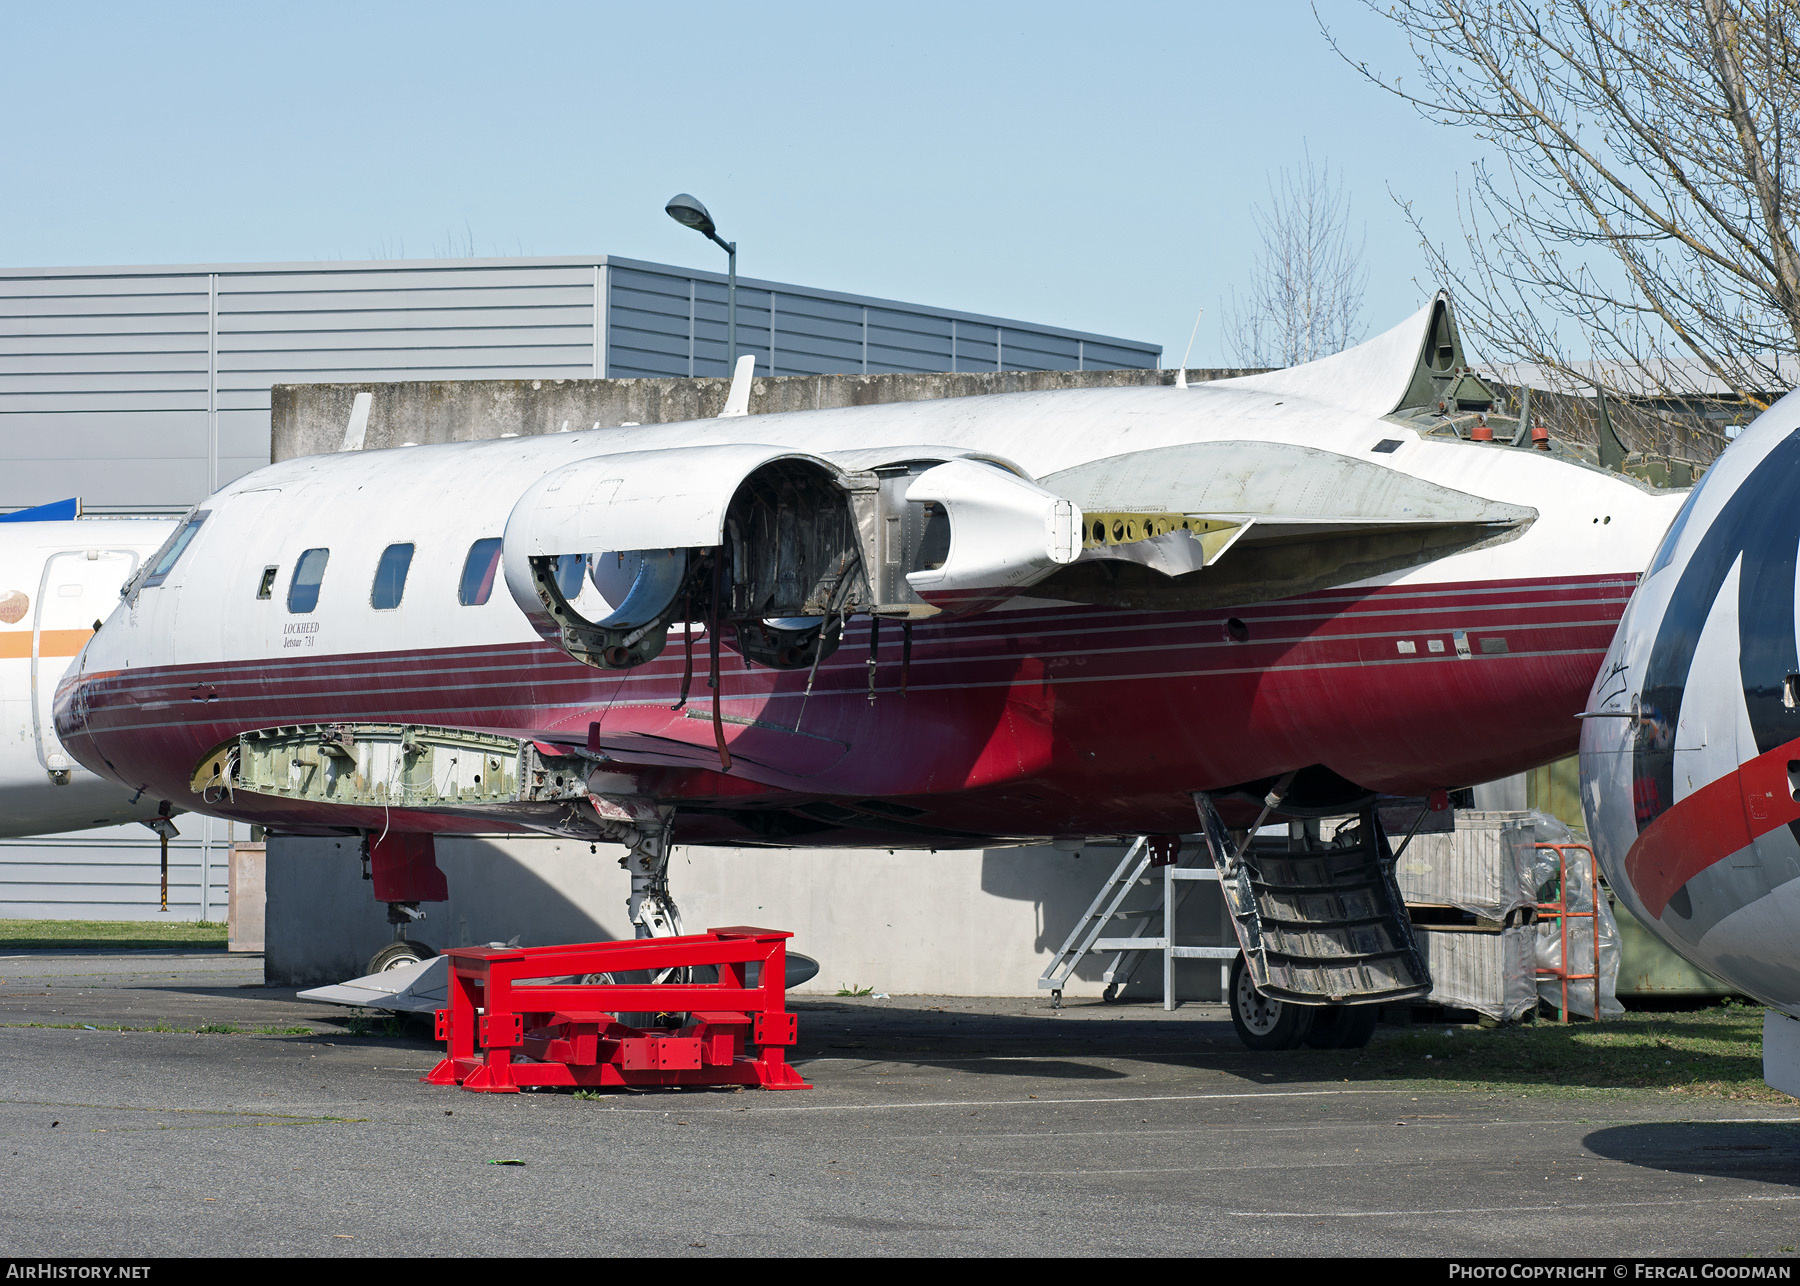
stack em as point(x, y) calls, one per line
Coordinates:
point(1086, 165)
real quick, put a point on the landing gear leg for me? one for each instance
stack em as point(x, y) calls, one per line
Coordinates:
point(403, 914)
point(652, 908)
point(404, 872)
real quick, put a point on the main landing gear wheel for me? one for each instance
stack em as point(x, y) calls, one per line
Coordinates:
point(1263, 1023)
point(1343, 1026)
point(399, 954)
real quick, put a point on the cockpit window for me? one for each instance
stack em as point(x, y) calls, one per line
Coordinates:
point(303, 590)
point(478, 573)
point(165, 558)
point(1665, 552)
point(390, 577)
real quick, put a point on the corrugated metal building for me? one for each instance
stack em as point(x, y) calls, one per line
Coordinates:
point(144, 389)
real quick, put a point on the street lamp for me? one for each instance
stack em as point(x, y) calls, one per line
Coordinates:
point(687, 210)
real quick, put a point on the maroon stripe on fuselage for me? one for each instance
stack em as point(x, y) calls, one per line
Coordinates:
point(1319, 675)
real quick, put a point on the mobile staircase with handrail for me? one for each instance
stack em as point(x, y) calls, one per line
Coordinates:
point(1323, 933)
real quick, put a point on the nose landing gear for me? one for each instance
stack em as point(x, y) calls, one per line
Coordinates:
point(404, 870)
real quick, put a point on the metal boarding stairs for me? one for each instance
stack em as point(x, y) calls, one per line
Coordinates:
point(1318, 924)
point(1178, 866)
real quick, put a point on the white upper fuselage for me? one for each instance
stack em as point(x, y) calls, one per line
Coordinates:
point(442, 498)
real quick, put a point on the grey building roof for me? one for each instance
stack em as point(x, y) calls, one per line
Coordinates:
point(144, 388)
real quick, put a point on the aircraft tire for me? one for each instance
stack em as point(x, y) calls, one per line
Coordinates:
point(397, 954)
point(1264, 1024)
point(1343, 1026)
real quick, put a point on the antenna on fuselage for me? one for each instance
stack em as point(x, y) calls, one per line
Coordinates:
point(1181, 375)
point(737, 402)
point(359, 423)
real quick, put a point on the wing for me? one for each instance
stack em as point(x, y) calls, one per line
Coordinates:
point(1208, 524)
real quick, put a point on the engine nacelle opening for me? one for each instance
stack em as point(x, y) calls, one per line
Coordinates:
point(987, 533)
point(791, 547)
point(642, 587)
point(771, 548)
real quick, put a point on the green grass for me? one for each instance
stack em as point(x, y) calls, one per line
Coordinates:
point(364, 1022)
point(109, 935)
point(1711, 1053)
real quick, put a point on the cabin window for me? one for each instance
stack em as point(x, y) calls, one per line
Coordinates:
point(266, 586)
point(479, 569)
point(390, 577)
point(166, 558)
point(303, 590)
point(570, 568)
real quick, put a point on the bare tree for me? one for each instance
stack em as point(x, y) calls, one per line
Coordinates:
point(1635, 229)
point(1306, 290)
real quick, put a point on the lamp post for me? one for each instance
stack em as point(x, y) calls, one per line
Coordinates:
point(687, 210)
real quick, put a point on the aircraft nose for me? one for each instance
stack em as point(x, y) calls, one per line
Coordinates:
point(72, 703)
point(70, 707)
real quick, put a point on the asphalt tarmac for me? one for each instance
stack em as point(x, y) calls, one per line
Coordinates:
point(941, 1126)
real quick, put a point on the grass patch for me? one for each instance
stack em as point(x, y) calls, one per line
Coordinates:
point(1710, 1053)
point(109, 935)
point(378, 1022)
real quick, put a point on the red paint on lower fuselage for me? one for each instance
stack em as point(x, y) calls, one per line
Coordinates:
point(1061, 720)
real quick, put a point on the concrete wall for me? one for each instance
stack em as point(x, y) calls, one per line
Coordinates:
point(309, 419)
point(973, 923)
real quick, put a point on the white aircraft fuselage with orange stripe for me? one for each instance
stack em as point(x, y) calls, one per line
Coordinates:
point(58, 581)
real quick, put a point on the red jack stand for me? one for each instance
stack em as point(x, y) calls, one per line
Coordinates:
point(513, 1005)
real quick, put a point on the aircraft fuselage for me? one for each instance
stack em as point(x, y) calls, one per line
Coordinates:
point(1036, 718)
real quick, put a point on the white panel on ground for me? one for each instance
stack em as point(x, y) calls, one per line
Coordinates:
point(410, 989)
